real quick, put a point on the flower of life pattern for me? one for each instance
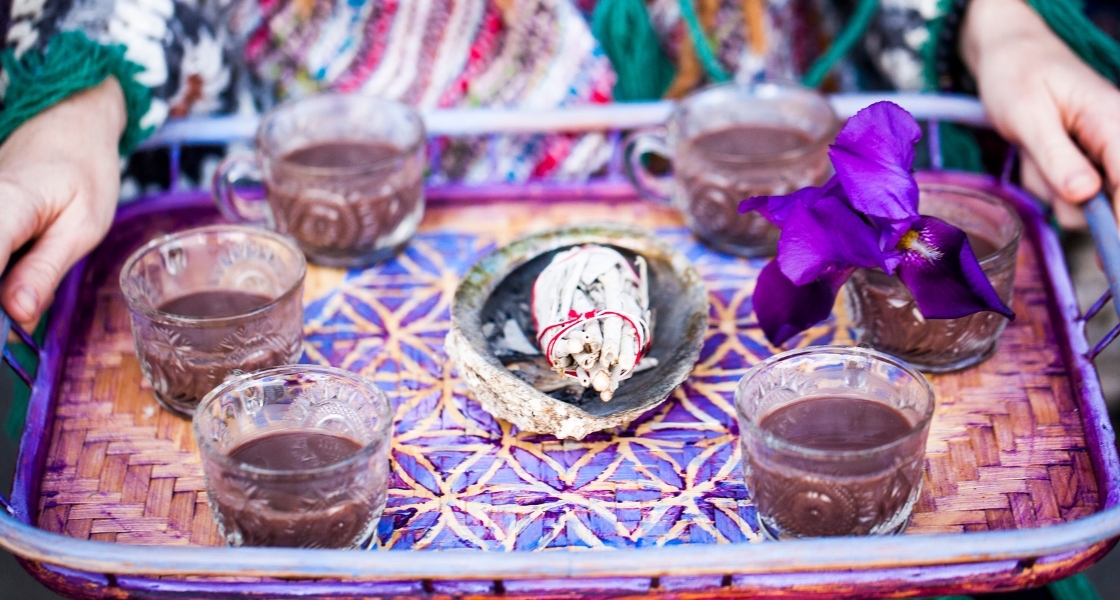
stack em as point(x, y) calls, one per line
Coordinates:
point(463, 479)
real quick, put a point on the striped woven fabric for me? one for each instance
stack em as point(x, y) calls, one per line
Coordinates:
point(537, 54)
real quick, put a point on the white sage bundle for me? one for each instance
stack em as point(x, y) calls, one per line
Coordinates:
point(591, 310)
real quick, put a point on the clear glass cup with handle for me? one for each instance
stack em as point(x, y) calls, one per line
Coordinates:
point(211, 300)
point(343, 175)
point(728, 143)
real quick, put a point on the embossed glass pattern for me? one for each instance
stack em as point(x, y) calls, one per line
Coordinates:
point(343, 175)
point(802, 491)
point(790, 128)
point(336, 505)
point(185, 357)
point(885, 316)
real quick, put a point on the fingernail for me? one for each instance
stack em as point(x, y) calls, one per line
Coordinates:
point(27, 300)
point(1078, 183)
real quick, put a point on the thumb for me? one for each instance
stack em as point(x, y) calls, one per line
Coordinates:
point(1096, 127)
point(22, 218)
point(29, 287)
point(1069, 215)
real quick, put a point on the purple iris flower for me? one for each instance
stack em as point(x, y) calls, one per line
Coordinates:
point(873, 156)
point(866, 216)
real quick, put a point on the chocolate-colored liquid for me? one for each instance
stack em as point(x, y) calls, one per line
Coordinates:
point(297, 511)
point(720, 168)
point(810, 497)
point(837, 423)
point(981, 247)
point(889, 320)
point(295, 450)
point(214, 304)
point(751, 141)
point(199, 359)
point(341, 215)
point(340, 154)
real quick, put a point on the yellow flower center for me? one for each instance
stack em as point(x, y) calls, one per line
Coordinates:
point(912, 240)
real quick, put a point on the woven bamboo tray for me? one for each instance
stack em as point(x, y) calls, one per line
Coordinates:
point(1017, 444)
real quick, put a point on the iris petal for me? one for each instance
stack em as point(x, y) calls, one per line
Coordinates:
point(942, 272)
point(785, 310)
point(873, 155)
point(776, 209)
point(826, 236)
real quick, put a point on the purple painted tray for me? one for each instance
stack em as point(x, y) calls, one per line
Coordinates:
point(1019, 446)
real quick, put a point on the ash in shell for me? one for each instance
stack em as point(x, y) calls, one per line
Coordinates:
point(591, 311)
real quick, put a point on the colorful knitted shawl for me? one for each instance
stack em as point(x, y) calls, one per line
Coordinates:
point(183, 57)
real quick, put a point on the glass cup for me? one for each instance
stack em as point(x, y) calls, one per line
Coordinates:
point(846, 462)
point(343, 175)
point(883, 311)
point(728, 143)
point(207, 301)
point(296, 456)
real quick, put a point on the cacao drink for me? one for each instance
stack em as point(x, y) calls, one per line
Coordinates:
point(211, 301)
point(187, 381)
point(372, 209)
point(718, 169)
point(296, 515)
point(833, 441)
point(858, 496)
point(728, 143)
point(296, 456)
point(343, 175)
point(885, 316)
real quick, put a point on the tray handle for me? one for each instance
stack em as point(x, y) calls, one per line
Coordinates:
point(7, 327)
point(1102, 224)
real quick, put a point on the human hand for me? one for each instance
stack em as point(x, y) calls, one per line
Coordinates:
point(1040, 96)
point(59, 183)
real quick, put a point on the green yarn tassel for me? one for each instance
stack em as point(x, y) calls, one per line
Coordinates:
point(845, 40)
point(1073, 588)
point(703, 46)
point(71, 63)
point(1095, 47)
point(623, 29)
point(929, 49)
point(959, 149)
